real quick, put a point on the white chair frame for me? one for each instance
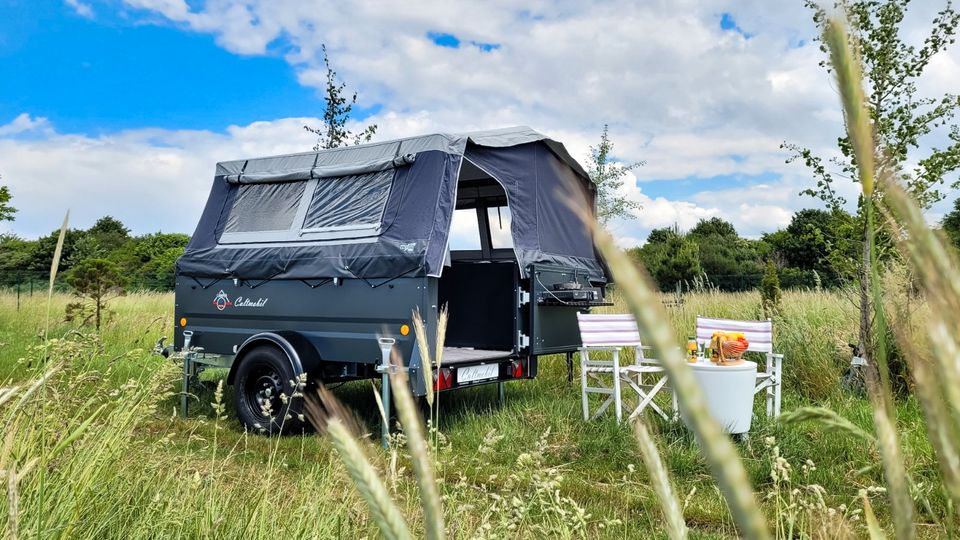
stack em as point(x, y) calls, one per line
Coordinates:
point(611, 333)
point(760, 336)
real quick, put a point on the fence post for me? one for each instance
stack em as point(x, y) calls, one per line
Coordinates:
point(18, 292)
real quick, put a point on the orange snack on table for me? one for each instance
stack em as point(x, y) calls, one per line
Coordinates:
point(728, 347)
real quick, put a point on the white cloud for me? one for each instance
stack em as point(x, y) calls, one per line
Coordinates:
point(150, 179)
point(80, 8)
point(25, 124)
point(678, 92)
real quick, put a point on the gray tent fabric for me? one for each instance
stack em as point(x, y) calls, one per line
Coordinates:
point(550, 228)
point(384, 210)
point(327, 171)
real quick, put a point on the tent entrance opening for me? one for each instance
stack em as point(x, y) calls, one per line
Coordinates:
point(479, 284)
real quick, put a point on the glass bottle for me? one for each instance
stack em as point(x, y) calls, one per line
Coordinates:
point(692, 349)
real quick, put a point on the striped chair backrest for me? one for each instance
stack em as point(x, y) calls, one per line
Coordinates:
point(602, 330)
point(758, 333)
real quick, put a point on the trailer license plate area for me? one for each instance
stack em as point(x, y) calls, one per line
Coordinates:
point(477, 373)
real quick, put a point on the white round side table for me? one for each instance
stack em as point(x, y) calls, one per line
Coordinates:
point(728, 391)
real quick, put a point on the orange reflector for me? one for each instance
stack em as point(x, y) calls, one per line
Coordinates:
point(404, 329)
point(183, 321)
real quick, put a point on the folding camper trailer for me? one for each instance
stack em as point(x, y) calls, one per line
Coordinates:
point(301, 262)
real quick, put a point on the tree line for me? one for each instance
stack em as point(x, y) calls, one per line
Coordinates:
point(129, 261)
point(819, 248)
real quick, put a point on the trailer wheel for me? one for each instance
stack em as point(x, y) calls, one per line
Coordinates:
point(264, 393)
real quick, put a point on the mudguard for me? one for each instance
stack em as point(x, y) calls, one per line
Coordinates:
point(300, 352)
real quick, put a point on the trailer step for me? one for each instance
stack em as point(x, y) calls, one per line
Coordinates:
point(461, 355)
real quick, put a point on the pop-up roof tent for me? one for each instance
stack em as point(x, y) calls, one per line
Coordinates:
point(384, 210)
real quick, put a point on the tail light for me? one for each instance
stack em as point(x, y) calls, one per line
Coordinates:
point(442, 379)
point(516, 369)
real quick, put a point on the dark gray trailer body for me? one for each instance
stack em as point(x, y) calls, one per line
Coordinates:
point(318, 255)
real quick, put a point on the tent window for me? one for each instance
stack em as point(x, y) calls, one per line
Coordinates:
point(355, 201)
point(465, 230)
point(264, 207)
point(499, 219)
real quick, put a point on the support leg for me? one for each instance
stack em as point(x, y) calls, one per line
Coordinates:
point(501, 393)
point(386, 349)
point(185, 394)
point(385, 397)
point(569, 367)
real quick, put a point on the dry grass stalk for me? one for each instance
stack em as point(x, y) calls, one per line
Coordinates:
point(441, 337)
point(7, 394)
point(13, 502)
point(367, 480)
point(873, 527)
point(419, 451)
point(829, 420)
point(676, 526)
point(327, 415)
point(850, 82)
point(323, 407)
point(423, 346)
point(379, 401)
point(37, 384)
point(719, 451)
point(55, 263)
point(7, 446)
point(936, 372)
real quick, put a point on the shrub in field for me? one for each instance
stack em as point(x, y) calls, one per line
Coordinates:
point(95, 281)
point(770, 294)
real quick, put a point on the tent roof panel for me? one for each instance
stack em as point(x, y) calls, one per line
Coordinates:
point(352, 155)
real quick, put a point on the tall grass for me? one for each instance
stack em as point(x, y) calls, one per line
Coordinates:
point(579, 469)
point(99, 455)
point(94, 488)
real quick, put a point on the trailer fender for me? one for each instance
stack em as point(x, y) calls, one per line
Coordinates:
point(300, 352)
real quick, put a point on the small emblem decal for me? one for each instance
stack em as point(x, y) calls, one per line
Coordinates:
point(222, 301)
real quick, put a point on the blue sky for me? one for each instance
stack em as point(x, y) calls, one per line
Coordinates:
point(127, 69)
point(117, 72)
point(123, 107)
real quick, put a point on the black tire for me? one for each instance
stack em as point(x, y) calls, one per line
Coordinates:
point(264, 383)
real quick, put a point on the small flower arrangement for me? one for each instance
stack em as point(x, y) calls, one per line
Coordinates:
point(728, 348)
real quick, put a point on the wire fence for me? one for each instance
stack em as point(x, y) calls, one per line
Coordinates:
point(26, 282)
point(790, 278)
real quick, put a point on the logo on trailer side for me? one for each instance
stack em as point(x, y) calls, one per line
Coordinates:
point(222, 301)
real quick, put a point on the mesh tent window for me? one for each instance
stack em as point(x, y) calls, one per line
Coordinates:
point(327, 208)
point(355, 201)
point(264, 207)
